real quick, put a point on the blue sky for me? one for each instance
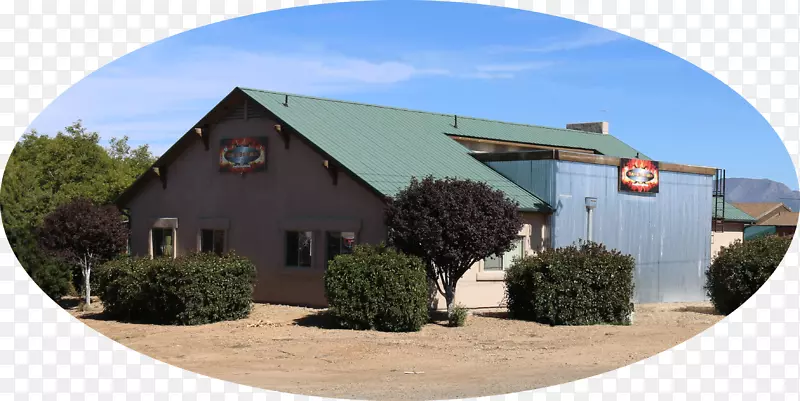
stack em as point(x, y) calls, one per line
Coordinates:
point(462, 59)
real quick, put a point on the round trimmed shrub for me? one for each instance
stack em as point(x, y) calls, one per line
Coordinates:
point(123, 288)
point(376, 287)
point(194, 289)
point(740, 269)
point(576, 285)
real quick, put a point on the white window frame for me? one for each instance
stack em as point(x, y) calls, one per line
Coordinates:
point(163, 224)
point(174, 241)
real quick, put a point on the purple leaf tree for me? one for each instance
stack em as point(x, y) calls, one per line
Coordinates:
point(84, 234)
point(451, 224)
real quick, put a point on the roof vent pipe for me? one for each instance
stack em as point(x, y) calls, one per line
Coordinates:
point(455, 124)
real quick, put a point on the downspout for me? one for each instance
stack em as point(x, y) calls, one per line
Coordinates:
point(590, 203)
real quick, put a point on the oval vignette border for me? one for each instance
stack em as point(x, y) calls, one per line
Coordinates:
point(47, 47)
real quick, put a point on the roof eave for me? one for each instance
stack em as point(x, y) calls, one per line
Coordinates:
point(171, 153)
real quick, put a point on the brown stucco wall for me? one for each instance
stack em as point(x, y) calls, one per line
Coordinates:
point(295, 193)
point(486, 289)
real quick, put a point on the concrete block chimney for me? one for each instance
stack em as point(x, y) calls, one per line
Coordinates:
point(600, 127)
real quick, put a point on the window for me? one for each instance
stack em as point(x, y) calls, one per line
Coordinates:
point(212, 241)
point(163, 242)
point(340, 243)
point(298, 248)
point(504, 261)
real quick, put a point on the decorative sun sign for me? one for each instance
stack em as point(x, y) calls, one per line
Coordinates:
point(243, 155)
point(637, 175)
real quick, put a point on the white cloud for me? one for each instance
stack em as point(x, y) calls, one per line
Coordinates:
point(153, 98)
point(593, 37)
point(149, 97)
point(513, 67)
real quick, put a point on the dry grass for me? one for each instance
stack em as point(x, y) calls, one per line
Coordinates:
point(295, 350)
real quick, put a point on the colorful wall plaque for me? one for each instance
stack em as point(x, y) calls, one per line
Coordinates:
point(243, 155)
point(637, 175)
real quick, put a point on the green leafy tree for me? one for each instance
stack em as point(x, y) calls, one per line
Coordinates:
point(45, 172)
point(451, 224)
point(85, 235)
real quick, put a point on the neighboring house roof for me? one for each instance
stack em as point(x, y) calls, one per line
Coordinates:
point(782, 219)
point(732, 213)
point(751, 232)
point(759, 209)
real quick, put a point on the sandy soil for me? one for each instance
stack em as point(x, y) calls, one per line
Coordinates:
point(290, 349)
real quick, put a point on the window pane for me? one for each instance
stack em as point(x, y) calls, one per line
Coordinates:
point(168, 242)
point(298, 248)
point(493, 263)
point(219, 242)
point(206, 241)
point(304, 249)
point(292, 239)
point(514, 253)
point(158, 242)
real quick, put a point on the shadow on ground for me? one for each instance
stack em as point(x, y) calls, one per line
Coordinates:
point(494, 314)
point(69, 303)
point(321, 320)
point(98, 316)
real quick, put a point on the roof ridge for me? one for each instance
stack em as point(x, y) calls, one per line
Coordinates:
point(422, 111)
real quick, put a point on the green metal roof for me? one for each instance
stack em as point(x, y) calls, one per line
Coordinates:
point(605, 144)
point(732, 213)
point(386, 146)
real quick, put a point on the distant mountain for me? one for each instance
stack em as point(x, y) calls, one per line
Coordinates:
point(760, 190)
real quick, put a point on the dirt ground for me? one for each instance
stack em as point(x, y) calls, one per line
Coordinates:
point(290, 349)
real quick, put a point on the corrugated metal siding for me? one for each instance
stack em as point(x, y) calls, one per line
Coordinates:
point(669, 234)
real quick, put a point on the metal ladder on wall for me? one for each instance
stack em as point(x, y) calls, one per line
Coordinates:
point(719, 201)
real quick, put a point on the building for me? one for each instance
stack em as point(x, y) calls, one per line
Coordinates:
point(762, 211)
point(290, 181)
point(734, 222)
point(770, 218)
point(784, 223)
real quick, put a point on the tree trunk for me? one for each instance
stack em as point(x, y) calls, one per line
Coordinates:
point(86, 284)
point(433, 296)
point(450, 297)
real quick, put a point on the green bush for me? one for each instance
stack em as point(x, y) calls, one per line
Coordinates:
point(581, 284)
point(194, 289)
point(459, 316)
point(52, 276)
point(740, 269)
point(376, 287)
